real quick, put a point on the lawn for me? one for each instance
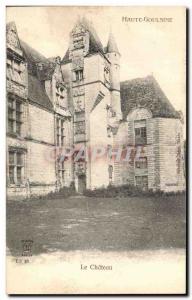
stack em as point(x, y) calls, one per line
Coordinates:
point(110, 224)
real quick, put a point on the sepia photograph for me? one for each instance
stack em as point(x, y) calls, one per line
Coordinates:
point(96, 150)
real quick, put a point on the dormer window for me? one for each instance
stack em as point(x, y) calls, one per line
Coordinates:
point(40, 66)
point(61, 95)
point(15, 70)
point(78, 42)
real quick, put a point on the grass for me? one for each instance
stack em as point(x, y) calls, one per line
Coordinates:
point(107, 224)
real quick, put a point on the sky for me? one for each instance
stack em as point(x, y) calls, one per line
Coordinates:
point(146, 47)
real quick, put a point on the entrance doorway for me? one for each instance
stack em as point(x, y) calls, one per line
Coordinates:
point(81, 183)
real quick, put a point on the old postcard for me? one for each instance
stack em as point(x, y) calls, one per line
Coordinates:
point(96, 150)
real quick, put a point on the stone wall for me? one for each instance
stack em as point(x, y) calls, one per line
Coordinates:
point(41, 124)
point(171, 155)
point(99, 175)
point(164, 151)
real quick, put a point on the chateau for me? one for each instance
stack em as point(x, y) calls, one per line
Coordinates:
point(78, 102)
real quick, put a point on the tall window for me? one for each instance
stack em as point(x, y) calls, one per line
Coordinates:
point(60, 132)
point(16, 167)
point(78, 75)
point(14, 116)
point(140, 136)
point(61, 171)
point(141, 163)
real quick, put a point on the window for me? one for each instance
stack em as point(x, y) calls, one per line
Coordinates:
point(78, 42)
point(140, 135)
point(106, 74)
point(143, 132)
point(113, 114)
point(79, 104)
point(16, 166)
point(60, 132)
point(61, 171)
point(78, 75)
point(109, 131)
point(79, 127)
point(110, 170)
point(141, 163)
point(141, 181)
point(15, 70)
point(14, 116)
point(109, 152)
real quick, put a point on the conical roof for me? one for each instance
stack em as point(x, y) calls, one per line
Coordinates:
point(111, 45)
point(95, 44)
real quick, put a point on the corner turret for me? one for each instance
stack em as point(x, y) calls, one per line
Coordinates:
point(113, 55)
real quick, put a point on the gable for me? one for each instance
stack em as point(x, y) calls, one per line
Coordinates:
point(12, 38)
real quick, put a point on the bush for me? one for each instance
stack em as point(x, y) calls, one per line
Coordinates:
point(128, 190)
point(64, 192)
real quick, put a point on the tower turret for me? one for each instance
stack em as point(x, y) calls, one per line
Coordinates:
point(112, 53)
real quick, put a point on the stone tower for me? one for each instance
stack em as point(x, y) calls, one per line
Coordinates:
point(112, 53)
point(87, 69)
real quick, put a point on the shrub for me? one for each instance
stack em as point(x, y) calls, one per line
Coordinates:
point(64, 192)
point(128, 190)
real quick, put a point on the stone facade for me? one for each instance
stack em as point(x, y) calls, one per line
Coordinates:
point(38, 123)
point(79, 104)
point(160, 160)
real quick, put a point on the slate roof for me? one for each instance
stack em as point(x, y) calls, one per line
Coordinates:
point(66, 57)
point(36, 76)
point(143, 92)
point(111, 45)
point(146, 92)
point(33, 58)
point(95, 44)
point(37, 93)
